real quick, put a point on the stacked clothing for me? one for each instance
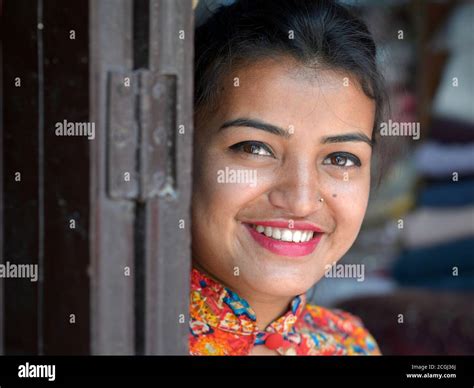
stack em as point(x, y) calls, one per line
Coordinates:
point(438, 237)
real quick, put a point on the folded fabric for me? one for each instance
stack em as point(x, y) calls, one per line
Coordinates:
point(464, 282)
point(454, 259)
point(456, 35)
point(437, 180)
point(447, 130)
point(435, 322)
point(447, 194)
point(442, 160)
point(454, 95)
point(432, 226)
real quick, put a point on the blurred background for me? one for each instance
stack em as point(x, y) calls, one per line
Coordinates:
point(103, 244)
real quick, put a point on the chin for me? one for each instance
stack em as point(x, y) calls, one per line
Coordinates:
point(288, 288)
point(284, 277)
point(282, 285)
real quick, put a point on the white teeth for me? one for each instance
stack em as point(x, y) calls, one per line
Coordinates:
point(287, 235)
point(276, 234)
point(283, 234)
point(297, 236)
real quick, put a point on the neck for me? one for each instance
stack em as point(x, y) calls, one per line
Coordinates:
point(267, 309)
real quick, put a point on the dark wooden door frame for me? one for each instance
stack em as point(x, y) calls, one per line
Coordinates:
point(148, 311)
point(112, 221)
point(168, 237)
point(52, 71)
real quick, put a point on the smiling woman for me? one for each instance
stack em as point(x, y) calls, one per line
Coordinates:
point(289, 90)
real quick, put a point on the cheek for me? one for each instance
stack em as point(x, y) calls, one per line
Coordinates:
point(219, 196)
point(347, 201)
point(222, 189)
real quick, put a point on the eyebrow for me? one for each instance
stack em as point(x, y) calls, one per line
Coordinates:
point(252, 123)
point(347, 137)
point(273, 129)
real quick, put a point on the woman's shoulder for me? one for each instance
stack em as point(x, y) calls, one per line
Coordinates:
point(342, 327)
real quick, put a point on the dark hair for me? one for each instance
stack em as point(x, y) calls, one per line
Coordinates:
point(324, 32)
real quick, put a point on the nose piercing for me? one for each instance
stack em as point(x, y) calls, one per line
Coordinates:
point(321, 199)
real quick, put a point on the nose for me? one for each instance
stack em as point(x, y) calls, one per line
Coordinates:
point(297, 190)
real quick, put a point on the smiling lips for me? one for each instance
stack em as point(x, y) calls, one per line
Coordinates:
point(285, 239)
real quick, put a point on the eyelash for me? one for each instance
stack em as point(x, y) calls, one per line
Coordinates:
point(351, 157)
point(239, 147)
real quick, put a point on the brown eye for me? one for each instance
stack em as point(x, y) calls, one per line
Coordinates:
point(252, 147)
point(341, 159)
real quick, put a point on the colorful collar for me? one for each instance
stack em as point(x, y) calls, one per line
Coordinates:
point(222, 323)
point(215, 307)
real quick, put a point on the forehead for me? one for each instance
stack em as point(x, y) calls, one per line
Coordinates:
point(285, 93)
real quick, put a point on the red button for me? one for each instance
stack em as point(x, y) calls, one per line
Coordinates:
point(274, 341)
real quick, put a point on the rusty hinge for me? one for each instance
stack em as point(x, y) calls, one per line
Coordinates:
point(141, 135)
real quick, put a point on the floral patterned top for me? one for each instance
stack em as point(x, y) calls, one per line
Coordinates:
point(222, 323)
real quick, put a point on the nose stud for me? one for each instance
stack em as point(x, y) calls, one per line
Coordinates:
point(321, 199)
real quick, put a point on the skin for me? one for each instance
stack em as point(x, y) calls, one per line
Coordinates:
point(312, 106)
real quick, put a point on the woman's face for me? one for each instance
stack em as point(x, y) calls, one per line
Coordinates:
point(279, 141)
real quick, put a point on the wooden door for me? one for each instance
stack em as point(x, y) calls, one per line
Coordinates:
point(106, 218)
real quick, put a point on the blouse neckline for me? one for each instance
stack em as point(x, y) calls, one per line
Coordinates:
point(233, 313)
point(223, 323)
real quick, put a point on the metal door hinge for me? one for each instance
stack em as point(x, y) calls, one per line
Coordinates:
point(141, 135)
